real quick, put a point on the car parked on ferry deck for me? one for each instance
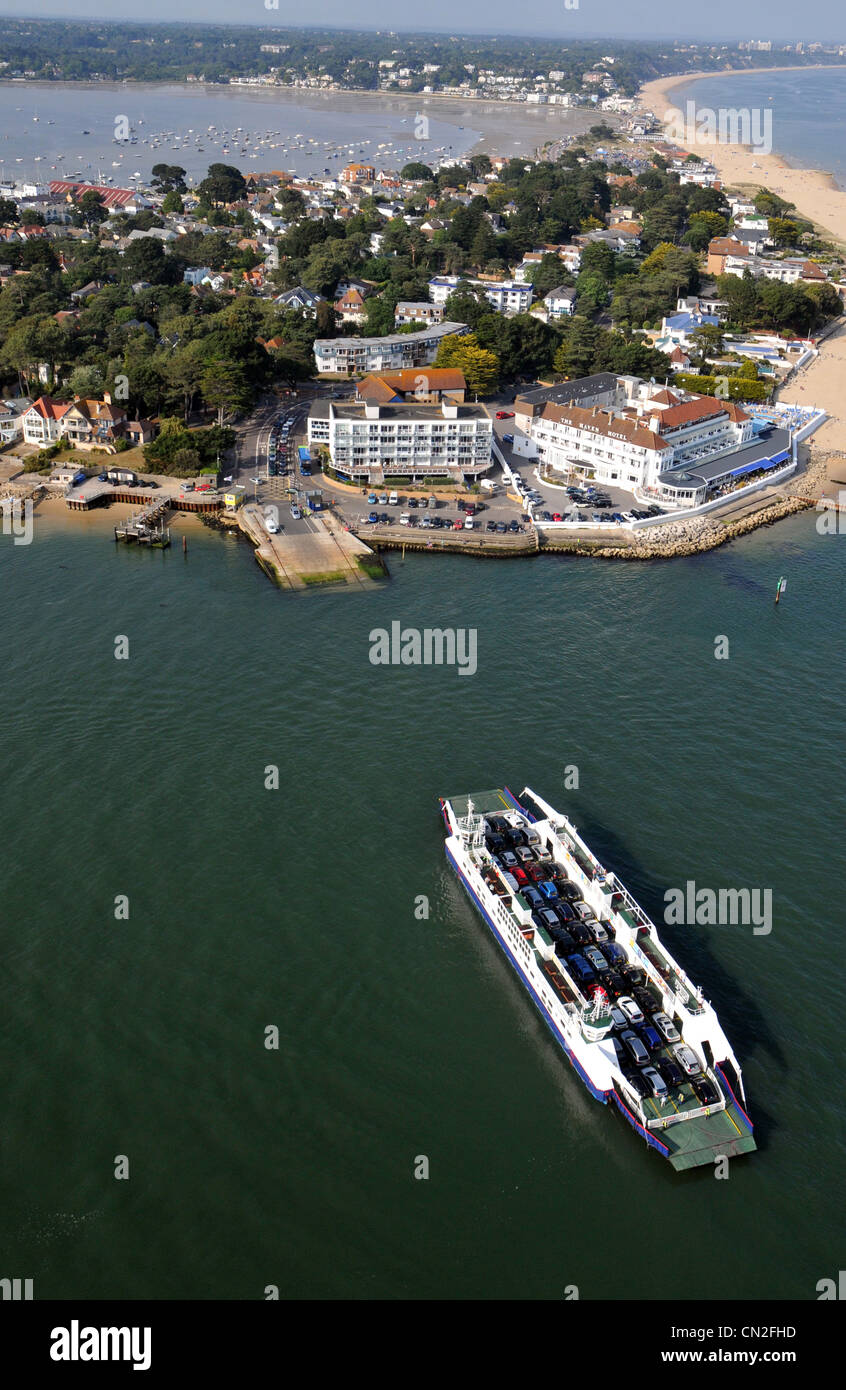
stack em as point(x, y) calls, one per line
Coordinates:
point(653, 1079)
point(687, 1060)
point(668, 1030)
point(650, 1037)
point(634, 1046)
point(706, 1092)
point(671, 1072)
point(630, 1009)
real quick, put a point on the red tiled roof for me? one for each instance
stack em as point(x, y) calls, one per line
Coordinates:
point(49, 409)
point(112, 197)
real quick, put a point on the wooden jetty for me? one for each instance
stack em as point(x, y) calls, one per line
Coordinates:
point(146, 527)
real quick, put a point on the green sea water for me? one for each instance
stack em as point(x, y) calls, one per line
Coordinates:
point(252, 908)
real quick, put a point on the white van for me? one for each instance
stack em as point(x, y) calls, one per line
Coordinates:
point(489, 485)
point(405, 519)
point(393, 500)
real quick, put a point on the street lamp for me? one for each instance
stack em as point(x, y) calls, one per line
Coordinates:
point(256, 481)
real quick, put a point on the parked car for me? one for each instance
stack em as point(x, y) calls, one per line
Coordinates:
point(653, 1079)
point(582, 973)
point(634, 1046)
point(687, 1060)
point(508, 439)
point(671, 1072)
point(706, 1091)
point(296, 513)
point(533, 897)
point(645, 1000)
point(491, 526)
point(650, 1037)
point(596, 959)
point(549, 890)
point(597, 931)
point(668, 1030)
point(505, 415)
point(614, 954)
point(637, 1083)
point(615, 987)
point(630, 1008)
point(633, 974)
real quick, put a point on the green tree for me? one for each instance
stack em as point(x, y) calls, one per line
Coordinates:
point(479, 365)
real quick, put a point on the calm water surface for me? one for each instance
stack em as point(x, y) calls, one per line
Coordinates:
point(295, 908)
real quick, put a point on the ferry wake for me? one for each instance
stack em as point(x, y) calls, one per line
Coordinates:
point(636, 1030)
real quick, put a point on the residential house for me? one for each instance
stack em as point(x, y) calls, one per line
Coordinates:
point(350, 307)
point(720, 248)
point(12, 412)
point(418, 311)
point(42, 422)
point(93, 424)
point(560, 303)
point(302, 299)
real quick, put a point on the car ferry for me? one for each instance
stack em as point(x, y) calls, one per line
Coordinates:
point(635, 1029)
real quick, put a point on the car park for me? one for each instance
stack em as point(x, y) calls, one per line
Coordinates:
point(630, 1008)
point(668, 1030)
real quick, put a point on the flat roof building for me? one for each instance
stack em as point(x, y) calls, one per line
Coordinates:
point(394, 351)
point(370, 441)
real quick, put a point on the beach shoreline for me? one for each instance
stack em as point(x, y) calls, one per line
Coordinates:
point(814, 192)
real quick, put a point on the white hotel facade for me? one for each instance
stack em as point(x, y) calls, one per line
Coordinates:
point(654, 447)
point(369, 442)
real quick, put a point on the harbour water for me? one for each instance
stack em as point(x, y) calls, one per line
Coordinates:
point(194, 126)
point(399, 1037)
point(808, 109)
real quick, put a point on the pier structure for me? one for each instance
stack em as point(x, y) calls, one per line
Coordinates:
point(146, 527)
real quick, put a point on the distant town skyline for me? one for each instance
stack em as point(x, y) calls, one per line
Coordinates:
point(729, 20)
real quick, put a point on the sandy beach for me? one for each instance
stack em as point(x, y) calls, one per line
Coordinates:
point(813, 191)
